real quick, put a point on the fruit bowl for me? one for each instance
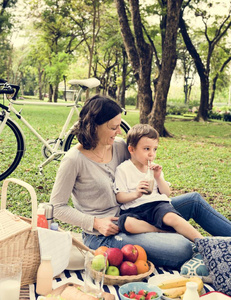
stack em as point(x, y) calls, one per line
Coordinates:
point(119, 280)
point(136, 287)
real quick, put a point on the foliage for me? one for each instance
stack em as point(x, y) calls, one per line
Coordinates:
point(6, 15)
point(181, 157)
point(208, 47)
point(217, 113)
point(177, 110)
point(80, 29)
point(131, 100)
point(58, 67)
point(220, 113)
point(5, 53)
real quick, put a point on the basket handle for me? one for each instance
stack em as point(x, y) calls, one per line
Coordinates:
point(32, 194)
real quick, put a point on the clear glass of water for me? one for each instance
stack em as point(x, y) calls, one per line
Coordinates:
point(10, 278)
point(95, 268)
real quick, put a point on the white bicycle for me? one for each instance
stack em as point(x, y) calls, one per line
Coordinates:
point(12, 140)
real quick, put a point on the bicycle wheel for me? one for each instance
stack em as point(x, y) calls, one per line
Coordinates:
point(71, 139)
point(12, 148)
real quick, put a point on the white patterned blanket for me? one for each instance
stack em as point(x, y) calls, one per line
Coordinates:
point(77, 277)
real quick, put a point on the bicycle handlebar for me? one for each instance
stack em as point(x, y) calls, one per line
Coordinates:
point(9, 88)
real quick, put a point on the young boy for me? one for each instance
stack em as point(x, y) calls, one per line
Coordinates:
point(140, 211)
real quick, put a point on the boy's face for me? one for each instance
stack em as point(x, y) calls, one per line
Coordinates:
point(144, 151)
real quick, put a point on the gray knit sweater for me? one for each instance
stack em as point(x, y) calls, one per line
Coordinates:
point(90, 185)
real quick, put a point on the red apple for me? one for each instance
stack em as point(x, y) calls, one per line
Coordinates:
point(128, 268)
point(114, 256)
point(130, 252)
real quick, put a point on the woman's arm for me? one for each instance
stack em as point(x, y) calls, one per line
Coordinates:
point(61, 192)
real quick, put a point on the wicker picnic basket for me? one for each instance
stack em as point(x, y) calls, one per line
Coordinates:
point(119, 280)
point(19, 235)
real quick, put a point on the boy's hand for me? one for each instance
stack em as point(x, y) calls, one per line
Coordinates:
point(157, 170)
point(142, 188)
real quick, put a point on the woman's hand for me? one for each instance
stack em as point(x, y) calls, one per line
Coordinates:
point(105, 226)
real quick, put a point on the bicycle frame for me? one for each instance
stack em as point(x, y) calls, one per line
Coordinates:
point(54, 150)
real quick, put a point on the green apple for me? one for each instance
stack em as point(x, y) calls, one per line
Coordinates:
point(112, 270)
point(99, 262)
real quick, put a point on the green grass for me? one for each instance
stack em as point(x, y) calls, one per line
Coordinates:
point(197, 158)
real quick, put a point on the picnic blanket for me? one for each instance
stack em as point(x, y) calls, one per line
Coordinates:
point(78, 278)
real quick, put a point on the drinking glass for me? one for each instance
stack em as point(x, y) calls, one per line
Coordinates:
point(95, 268)
point(10, 278)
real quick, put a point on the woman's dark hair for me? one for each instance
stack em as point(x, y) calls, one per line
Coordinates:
point(96, 111)
point(140, 130)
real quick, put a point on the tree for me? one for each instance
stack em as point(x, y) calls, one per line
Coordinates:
point(5, 15)
point(213, 35)
point(54, 71)
point(5, 58)
point(37, 57)
point(96, 25)
point(140, 54)
point(185, 68)
point(168, 63)
point(5, 27)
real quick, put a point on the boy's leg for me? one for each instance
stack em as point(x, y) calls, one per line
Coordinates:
point(131, 223)
point(181, 226)
point(134, 226)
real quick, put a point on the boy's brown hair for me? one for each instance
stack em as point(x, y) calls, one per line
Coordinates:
point(140, 130)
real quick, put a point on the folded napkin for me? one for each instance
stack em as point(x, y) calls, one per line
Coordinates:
point(57, 245)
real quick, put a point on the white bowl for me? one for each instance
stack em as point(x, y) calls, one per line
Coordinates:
point(136, 287)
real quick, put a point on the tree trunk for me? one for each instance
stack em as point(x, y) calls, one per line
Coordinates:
point(202, 72)
point(144, 99)
point(124, 74)
point(55, 94)
point(157, 116)
point(50, 92)
point(215, 82)
point(40, 73)
point(139, 54)
point(204, 100)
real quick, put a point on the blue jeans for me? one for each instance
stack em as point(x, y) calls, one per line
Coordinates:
point(169, 249)
point(192, 205)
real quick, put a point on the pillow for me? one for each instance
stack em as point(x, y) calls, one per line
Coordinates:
point(195, 266)
point(216, 252)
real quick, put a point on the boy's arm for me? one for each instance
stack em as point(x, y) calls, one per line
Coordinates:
point(163, 186)
point(124, 197)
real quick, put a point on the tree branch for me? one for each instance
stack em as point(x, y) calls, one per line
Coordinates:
point(128, 38)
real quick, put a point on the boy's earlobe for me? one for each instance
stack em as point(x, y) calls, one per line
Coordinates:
point(130, 149)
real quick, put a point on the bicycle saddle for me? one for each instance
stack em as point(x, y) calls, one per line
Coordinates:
point(90, 82)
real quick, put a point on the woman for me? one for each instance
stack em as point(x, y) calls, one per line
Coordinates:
point(87, 174)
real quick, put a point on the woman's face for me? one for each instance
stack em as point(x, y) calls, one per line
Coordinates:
point(109, 130)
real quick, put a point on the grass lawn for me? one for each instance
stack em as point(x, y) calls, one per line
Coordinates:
point(197, 158)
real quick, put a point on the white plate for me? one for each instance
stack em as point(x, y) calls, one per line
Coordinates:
point(157, 279)
point(215, 296)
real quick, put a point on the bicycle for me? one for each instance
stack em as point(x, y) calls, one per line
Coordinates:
point(12, 140)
